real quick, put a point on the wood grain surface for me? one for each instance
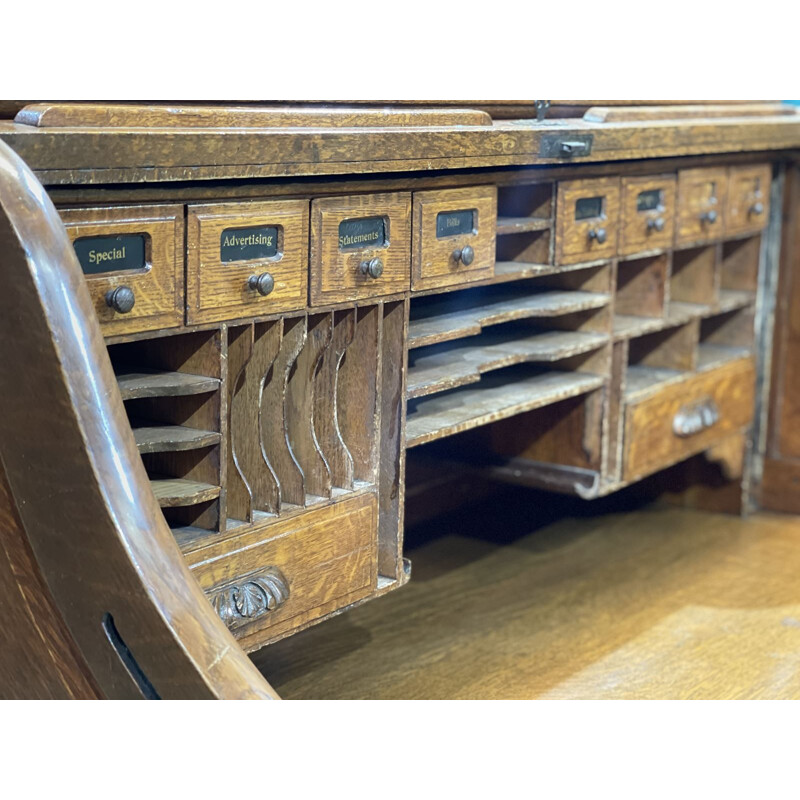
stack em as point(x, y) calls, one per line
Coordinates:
point(517, 599)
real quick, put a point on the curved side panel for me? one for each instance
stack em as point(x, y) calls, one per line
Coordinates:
point(78, 482)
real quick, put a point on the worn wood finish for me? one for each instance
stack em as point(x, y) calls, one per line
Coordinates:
point(649, 422)
point(529, 597)
point(158, 289)
point(219, 290)
point(639, 229)
point(327, 556)
point(88, 115)
point(748, 199)
point(701, 192)
point(433, 257)
point(590, 238)
point(336, 273)
point(642, 286)
point(674, 112)
point(695, 275)
point(128, 564)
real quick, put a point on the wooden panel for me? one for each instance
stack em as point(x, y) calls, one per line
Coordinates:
point(641, 286)
point(695, 276)
point(748, 199)
point(433, 262)
point(158, 288)
point(580, 239)
point(650, 438)
point(650, 228)
point(673, 112)
point(219, 290)
point(326, 555)
point(336, 271)
point(702, 196)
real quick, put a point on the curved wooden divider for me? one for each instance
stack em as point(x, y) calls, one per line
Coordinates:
point(101, 601)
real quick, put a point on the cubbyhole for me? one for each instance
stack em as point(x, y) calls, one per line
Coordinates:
point(661, 357)
point(726, 337)
point(695, 278)
point(740, 261)
point(525, 201)
point(641, 286)
point(532, 247)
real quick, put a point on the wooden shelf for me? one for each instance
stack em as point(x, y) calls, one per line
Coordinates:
point(497, 397)
point(172, 492)
point(145, 383)
point(510, 225)
point(450, 367)
point(171, 438)
point(710, 356)
point(456, 324)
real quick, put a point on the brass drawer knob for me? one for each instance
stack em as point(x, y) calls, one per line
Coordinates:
point(709, 216)
point(655, 224)
point(757, 208)
point(466, 255)
point(122, 299)
point(373, 268)
point(598, 234)
point(263, 283)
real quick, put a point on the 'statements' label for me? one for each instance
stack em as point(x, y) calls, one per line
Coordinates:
point(248, 244)
point(453, 223)
point(362, 233)
point(98, 254)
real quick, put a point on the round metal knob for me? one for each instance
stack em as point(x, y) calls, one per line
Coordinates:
point(373, 267)
point(466, 255)
point(599, 235)
point(655, 224)
point(121, 299)
point(709, 216)
point(263, 283)
point(758, 208)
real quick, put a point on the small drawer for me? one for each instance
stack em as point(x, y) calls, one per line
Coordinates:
point(246, 259)
point(454, 236)
point(587, 220)
point(688, 417)
point(268, 582)
point(702, 195)
point(748, 199)
point(648, 214)
point(360, 247)
point(132, 259)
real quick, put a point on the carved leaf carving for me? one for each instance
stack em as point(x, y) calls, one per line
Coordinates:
point(243, 602)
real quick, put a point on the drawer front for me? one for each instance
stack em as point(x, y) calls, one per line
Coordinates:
point(269, 582)
point(246, 259)
point(748, 199)
point(360, 247)
point(131, 255)
point(702, 196)
point(688, 417)
point(648, 214)
point(454, 236)
point(587, 220)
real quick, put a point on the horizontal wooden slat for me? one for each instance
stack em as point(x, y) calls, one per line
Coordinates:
point(466, 321)
point(144, 383)
point(678, 112)
point(449, 367)
point(172, 492)
point(506, 225)
point(171, 438)
point(496, 397)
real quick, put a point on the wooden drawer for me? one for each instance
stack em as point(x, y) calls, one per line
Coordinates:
point(687, 417)
point(138, 250)
point(268, 582)
point(587, 220)
point(648, 214)
point(454, 236)
point(246, 259)
point(748, 199)
point(702, 195)
point(360, 247)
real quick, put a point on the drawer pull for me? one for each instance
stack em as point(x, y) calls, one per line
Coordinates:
point(709, 216)
point(757, 209)
point(466, 255)
point(655, 224)
point(263, 283)
point(121, 299)
point(241, 603)
point(598, 234)
point(373, 267)
point(696, 418)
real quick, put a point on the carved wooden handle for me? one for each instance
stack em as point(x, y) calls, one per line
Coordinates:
point(695, 418)
point(240, 603)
